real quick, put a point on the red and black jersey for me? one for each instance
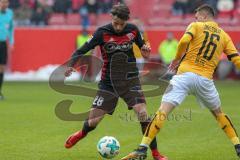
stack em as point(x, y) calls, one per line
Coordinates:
point(116, 48)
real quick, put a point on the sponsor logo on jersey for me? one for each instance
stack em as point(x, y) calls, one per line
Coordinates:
point(112, 47)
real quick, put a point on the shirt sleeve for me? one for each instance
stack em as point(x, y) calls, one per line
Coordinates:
point(231, 52)
point(139, 39)
point(11, 30)
point(95, 40)
point(182, 46)
point(185, 40)
point(191, 29)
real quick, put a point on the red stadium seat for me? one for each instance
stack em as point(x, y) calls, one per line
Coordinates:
point(224, 15)
point(166, 2)
point(73, 19)
point(235, 22)
point(162, 13)
point(93, 19)
point(224, 19)
point(76, 4)
point(57, 19)
point(103, 19)
point(151, 11)
point(155, 21)
point(158, 12)
point(175, 21)
point(133, 6)
point(188, 18)
point(236, 13)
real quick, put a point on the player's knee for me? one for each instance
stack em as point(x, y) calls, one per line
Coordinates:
point(166, 107)
point(140, 110)
point(142, 115)
point(217, 112)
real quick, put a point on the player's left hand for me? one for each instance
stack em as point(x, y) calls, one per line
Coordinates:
point(145, 50)
point(69, 71)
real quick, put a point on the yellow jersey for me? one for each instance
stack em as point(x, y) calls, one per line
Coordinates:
point(208, 42)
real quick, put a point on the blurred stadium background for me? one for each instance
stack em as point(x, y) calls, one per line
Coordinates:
point(46, 35)
point(46, 30)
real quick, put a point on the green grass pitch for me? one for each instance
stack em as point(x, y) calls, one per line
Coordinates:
point(30, 130)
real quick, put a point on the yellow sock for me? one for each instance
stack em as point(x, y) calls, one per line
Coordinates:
point(227, 126)
point(153, 128)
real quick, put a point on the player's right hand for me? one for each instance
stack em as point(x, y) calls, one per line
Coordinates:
point(69, 71)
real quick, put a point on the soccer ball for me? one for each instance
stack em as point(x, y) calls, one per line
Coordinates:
point(108, 147)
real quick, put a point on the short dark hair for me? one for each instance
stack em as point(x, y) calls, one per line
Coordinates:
point(121, 11)
point(205, 7)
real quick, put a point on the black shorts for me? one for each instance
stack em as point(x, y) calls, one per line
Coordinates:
point(107, 96)
point(3, 53)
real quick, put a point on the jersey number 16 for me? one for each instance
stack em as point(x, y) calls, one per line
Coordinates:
point(208, 42)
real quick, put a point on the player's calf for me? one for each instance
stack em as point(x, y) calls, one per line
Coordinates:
point(153, 145)
point(227, 126)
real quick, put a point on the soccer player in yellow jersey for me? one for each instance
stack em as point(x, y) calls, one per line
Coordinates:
point(197, 57)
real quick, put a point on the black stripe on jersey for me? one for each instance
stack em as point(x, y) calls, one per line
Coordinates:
point(182, 58)
point(190, 34)
point(232, 55)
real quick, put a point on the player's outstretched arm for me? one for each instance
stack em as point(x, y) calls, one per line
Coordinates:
point(90, 44)
point(74, 58)
point(79, 53)
point(72, 62)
